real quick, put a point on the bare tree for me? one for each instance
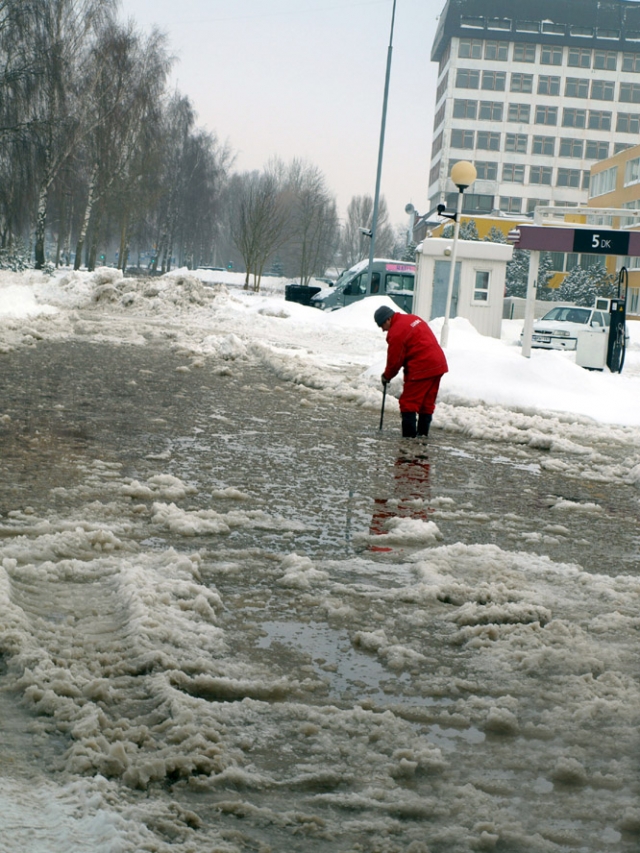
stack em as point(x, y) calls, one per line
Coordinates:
point(62, 31)
point(129, 80)
point(313, 220)
point(261, 222)
point(354, 245)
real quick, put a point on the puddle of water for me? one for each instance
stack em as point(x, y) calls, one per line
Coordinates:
point(345, 669)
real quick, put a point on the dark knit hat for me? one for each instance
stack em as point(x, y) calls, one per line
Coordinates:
point(382, 314)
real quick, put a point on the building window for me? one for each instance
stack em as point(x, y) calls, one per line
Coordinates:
point(553, 29)
point(481, 288)
point(527, 27)
point(572, 117)
point(550, 55)
point(496, 80)
point(472, 22)
point(544, 145)
point(576, 87)
point(496, 50)
point(446, 55)
point(522, 83)
point(628, 123)
point(548, 85)
point(498, 24)
point(437, 145)
point(568, 178)
point(513, 173)
point(462, 138)
point(597, 150)
point(519, 112)
point(632, 172)
point(630, 93)
point(571, 148)
point(587, 32)
point(488, 141)
point(442, 87)
point(602, 90)
point(599, 120)
point(540, 175)
point(490, 110)
point(434, 174)
point(556, 260)
point(516, 142)
point(621, 146)
point(546, 115)
point(631, 62)
point(579, 57)
point(586, 180)
point(464, 109)
point(524, 52)
point(605, 59)
point(510, 204)
point(467, 78)
point(470, 49)
point(439, 116)
point(532, 203)
point(604, 182)
point(487, 170)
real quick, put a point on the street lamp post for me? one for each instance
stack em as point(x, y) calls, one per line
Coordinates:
point(376, 198)
point(463, 175)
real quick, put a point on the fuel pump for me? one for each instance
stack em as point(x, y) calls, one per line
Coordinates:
point(617, 328)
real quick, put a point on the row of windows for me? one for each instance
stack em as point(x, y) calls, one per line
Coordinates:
point(543, 114)
point(576, 57)
point(514, 173)
point(518, 142)
point(574, 87)
point(478, 203)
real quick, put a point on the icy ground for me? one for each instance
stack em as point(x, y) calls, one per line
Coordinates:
point(236, 617)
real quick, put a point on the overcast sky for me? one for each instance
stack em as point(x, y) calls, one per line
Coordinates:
point(305, 78)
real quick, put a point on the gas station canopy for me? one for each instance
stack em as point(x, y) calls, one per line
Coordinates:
point(593, 241)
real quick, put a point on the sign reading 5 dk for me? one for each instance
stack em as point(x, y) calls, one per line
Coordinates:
point(601, 242)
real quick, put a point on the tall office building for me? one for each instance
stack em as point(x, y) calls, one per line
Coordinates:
point(533, 92)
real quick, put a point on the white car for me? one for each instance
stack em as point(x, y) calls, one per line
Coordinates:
point(559, 328)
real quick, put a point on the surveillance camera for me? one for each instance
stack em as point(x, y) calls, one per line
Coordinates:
point(447, 251)
point(366, 231)
point(441, 209)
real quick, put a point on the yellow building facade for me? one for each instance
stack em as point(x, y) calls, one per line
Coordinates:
point(615, 184)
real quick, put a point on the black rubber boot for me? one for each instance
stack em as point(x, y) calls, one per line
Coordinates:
point(408, 424)
point(424, 422)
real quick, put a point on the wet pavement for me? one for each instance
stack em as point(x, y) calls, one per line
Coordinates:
point(323, 464)
point(295, 452)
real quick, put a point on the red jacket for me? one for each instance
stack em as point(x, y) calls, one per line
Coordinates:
point(413, 345)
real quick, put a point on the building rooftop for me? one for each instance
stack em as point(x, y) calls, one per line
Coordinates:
point(591, 23)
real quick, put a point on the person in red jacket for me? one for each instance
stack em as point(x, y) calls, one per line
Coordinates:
point(412, 346)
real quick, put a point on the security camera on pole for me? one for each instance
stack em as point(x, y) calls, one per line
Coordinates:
point(463, 175)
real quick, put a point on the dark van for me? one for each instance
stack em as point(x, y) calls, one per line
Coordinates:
point(395, 279)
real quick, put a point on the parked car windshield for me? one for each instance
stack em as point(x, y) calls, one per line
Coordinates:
point(568, 314)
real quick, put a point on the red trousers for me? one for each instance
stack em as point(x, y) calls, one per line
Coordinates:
point(419, 395)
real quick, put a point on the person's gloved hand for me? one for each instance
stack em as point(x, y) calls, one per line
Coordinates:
point(384, 380)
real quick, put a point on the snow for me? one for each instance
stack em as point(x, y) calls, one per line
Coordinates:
point(505, 665)
point(232, 321)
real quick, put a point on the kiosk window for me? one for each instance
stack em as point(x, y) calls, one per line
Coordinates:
point(481, 289)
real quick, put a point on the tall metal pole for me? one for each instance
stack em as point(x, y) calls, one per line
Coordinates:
point(444, 334)
point(376, 198)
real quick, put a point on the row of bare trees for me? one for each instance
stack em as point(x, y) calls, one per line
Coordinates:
point(95, 151)
point(97, 154)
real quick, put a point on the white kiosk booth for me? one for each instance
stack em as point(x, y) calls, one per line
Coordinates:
point(478, 287)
